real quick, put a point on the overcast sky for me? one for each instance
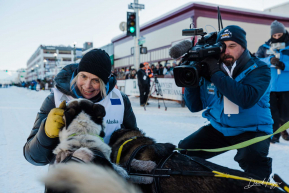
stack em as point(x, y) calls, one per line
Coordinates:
point(25, 24)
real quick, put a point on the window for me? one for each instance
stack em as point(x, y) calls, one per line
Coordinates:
point(66, 59)
point(64, 52)
point(49, 51)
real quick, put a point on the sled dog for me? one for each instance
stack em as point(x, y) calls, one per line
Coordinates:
point(156, 167)
point(81, 141)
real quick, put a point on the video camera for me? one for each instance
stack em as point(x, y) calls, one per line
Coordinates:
point(190, 70)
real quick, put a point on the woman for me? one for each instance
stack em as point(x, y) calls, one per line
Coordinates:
point(91, 79)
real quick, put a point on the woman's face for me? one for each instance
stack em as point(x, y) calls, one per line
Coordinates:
point(88, 84)
point(277, 35)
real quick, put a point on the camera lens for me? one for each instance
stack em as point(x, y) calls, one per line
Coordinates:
point(188, 76)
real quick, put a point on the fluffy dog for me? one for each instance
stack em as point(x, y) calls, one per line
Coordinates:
point(81, 139)
point(82, 132)
point(179, 165)
point(87, 178)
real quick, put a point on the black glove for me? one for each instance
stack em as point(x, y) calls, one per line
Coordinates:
point(213, 65)
point(280, 65)
point(276, 61)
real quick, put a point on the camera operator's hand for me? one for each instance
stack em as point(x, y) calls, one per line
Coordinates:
point(213, 65)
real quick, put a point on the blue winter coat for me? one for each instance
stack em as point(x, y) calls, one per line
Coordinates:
point(249, 89)
point(279, 83)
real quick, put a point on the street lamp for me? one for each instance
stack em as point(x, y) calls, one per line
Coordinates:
point(32, 73)
point(36, 68)
point(55, 67)
point(74, 54)
point(45, 66)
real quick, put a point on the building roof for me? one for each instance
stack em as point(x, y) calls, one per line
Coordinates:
point(275, 6)
point(189, 7)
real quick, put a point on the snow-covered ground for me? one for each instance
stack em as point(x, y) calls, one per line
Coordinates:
point(18, 109)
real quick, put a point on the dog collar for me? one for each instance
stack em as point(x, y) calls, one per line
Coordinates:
point(76, 134)
point(120, 149)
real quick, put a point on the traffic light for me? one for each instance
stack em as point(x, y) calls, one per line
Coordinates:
point(6, 70)
point(131, 24)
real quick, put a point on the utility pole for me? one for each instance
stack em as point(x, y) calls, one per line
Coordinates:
point(136, 7)
point(136, 46)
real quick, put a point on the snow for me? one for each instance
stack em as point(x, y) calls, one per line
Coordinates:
point(18, 109)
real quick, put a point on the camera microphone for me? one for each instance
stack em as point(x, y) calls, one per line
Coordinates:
point(180, 49)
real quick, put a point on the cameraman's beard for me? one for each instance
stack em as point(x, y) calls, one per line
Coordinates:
point(228, 62)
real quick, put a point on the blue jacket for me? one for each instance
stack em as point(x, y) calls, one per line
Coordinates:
point(279, 83)
point(249, 89)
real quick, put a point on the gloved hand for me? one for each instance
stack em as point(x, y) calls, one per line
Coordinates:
point(276, 61)
point(213, 65)
point(280, 65)
point(54, 121)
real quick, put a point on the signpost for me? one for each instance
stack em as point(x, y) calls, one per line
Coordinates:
point(141, 40)
point(136, 6)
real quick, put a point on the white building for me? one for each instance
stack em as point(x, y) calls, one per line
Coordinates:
point(21, 75)
point(47, 61)
point(279, 9)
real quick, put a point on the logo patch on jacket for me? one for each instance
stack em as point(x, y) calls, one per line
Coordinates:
point(226, 34)
point(211, 88)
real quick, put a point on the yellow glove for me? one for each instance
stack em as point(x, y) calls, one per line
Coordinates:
point(54, 121)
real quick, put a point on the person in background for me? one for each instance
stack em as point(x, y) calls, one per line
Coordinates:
point(154, 69)
point(131, 75)
point(161, 71)
point(149, 71)
point(168, 71)
point(157, 69)
point(279, 96)
point(143, 84)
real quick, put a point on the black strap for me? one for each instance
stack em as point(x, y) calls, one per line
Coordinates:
point(160, 166)
point(128, 167)
point(71, 158)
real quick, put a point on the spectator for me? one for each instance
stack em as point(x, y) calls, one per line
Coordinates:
point(114, 72)
point(168, 71)
point(131, 75)
point(161, 70)
point(154, 69)
point(279, 104)
point(143, 84)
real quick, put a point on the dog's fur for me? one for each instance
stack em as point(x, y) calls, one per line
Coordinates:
point(178, 162)
point(85, 119)
point(87, 178)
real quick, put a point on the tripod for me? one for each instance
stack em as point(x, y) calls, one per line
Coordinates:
point(158, 90)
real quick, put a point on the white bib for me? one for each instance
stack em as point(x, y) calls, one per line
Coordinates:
point(114, 108)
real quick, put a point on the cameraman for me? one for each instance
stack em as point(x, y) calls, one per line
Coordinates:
point(244, 80)
point(279, 95)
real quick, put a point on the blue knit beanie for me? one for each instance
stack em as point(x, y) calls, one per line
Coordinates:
point(233, 33)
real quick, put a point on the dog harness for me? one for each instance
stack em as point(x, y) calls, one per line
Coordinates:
point(114, 108)
point(160, 172)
